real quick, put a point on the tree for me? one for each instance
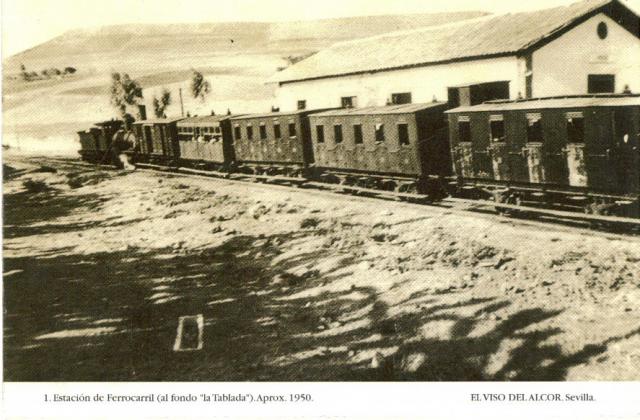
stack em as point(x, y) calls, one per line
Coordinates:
point(24, 74)
point(124, 94)
point(161, 104)
point(199, 85)
point(69, 70)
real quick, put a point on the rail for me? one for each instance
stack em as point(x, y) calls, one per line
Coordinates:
point(422, 198)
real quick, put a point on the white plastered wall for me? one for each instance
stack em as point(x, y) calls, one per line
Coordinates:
point(562, 66)
point(424, 83)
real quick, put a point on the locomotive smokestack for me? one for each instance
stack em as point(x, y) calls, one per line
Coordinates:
point(142, 110)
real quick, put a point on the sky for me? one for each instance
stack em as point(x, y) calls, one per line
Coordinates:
point(27, 23)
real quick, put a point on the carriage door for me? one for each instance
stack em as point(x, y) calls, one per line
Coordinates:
point(625, 149)
point(534, 149)
point(148, 138)
point(498, 148)
point(575, 150)
point(463, 153)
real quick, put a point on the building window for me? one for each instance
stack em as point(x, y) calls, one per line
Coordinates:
point(302, 105)
point(601, 83)
point(575, 127)
point(348, 102)
point(236, 132)
point(379, 133)
point(276, 130)
point(403, 134)
point(534, 128)
point(497, 128)
point(263, 132)
point(320, 133)
point(401, 98)
point(603, 30)
point(249, 132)
point(337, 133)
point(464, 130)
point(292, 129)
point(357, 134)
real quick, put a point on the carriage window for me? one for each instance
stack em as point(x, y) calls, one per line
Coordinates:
point(249, 132)
point(292, 129)
point(464, 131)
point(497, 128)
point(403, 134)
point(575, 128)
point(263, 132)
point(379, 132)
point(357, 134)
point(320, 133)
point(534, 129)
point(237, 133)
point(337, 133)
point(276, 130)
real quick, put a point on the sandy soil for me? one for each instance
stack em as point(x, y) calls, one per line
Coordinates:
point(299, 285)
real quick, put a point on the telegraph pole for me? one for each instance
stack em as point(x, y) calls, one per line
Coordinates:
point(181, 104)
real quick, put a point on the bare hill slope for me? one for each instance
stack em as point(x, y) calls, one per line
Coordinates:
point(234, 37)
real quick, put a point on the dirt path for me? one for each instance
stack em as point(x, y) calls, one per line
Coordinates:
point(99, 265)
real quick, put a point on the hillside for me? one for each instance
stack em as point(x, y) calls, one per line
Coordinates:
point(236, 58)
point(235, 37)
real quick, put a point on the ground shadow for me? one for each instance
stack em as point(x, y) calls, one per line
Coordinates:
point(113, 316)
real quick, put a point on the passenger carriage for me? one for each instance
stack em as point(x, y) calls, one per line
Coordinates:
point(577, 152)
point(157, 140)
point(272, 144)
point(394, 147)
point(205, 142)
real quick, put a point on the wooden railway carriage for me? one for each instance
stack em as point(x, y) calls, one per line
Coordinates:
point(96, 142)
point(395, 147)
point(206, 141)
point(575, 151)
point(272, 144)
point(157, 140)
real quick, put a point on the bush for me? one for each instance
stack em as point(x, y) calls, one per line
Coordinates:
point(310, 222)
point(35, 187)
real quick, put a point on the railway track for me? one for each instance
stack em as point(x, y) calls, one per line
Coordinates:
point(524, 215)
point(610, 224)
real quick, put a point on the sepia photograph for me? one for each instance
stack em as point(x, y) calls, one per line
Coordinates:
point(354, 191)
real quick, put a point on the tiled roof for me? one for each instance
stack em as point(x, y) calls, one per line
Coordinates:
point(495, 35)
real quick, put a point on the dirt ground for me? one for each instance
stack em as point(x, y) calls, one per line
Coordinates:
point(299, 285)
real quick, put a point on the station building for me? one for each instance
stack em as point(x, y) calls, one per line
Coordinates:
point(588, 47)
